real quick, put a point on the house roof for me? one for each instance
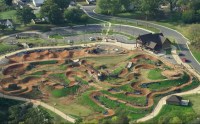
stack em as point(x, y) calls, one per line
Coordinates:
point(5, 21)
point(151, 40)
point(174, 98)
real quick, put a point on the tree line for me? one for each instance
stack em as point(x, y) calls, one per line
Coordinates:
point(56, 11)
point(187, 11)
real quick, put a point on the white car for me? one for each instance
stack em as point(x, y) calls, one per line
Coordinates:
point(92, 38)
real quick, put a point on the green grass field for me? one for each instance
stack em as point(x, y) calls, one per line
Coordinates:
point(155, 74)
point(11, 14)
point(65, 91)
point(4, 48)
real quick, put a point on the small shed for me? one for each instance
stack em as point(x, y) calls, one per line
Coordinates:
point(174, 100)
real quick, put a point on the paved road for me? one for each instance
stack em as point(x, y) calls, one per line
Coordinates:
point(181, 40)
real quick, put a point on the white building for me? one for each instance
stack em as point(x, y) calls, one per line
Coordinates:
point(38, 3)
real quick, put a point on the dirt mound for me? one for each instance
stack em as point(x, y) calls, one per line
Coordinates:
point(46, 52)
point(171, 73)
point(64, 54)
point(17, 68)
point(143, 56)
point(144, 66)
point(123, 72)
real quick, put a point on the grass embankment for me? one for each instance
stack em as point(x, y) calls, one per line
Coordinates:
point(136, 100)
point(168, 83)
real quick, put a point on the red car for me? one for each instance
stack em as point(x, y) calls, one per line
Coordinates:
point(184, 60)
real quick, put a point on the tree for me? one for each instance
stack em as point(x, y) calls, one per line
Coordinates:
point(110, 7)
point(8, 2)
point(52, 11)
point(75, 15)
point(62, 3)
point(2, 27)
point(149, 7)
point(188, 16)
point(25, 15)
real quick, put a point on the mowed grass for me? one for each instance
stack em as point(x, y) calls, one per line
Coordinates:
point(155, 74)
point(169, 113)
point(57, 93)
point(195, 52)
point(11, 14)
point(6, 48)
point(195, 100)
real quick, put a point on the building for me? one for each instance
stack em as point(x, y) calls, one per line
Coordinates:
point(177, 100)
point(154, 42)
point(90, 1)
point(38, 3)
point(7, 22)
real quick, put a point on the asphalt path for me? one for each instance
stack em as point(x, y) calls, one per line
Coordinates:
point(180, 39)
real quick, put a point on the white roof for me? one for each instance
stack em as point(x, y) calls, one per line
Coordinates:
point(39, 1)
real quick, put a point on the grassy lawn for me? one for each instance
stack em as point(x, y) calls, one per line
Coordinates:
point(4, 48)
point(168, 83)
point(11, 14)
point(195, 100)
point(195, 52)
point(56, 36)
point(171, 114)
point(65, 91)
point(155, 74)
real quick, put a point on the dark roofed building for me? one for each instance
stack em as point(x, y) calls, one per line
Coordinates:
point(174, 100)
point(154, 42)
point(7, 22)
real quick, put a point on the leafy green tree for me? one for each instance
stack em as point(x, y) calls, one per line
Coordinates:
point(149, 7)
point(52, 11)
point(110, 7)
point(25, 15)
point(8, 2)
point(62, 3)
point(188, 16)
point(75, 15)
point(2, 27)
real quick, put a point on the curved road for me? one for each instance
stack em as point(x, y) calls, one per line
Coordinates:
point(181, 40)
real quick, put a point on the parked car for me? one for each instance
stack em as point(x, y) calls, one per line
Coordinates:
point(185, 60)
point(181, 54)
point(92, 38)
